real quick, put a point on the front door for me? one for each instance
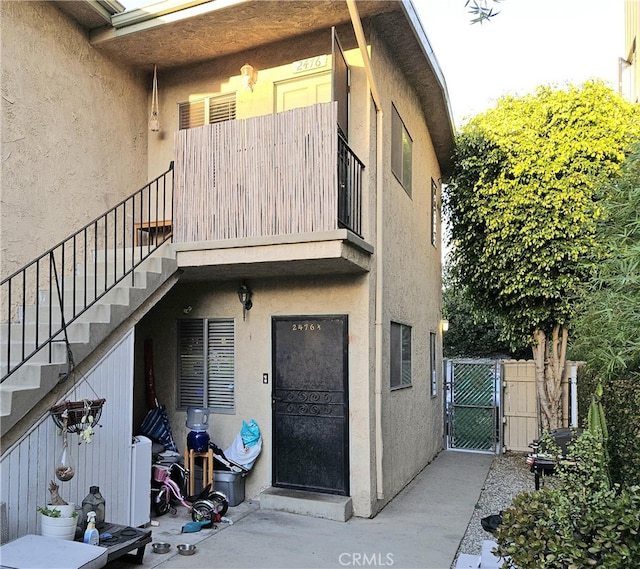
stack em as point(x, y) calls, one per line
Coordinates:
point(310, 403)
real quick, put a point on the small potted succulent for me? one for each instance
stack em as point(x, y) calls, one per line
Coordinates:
point(58, 518)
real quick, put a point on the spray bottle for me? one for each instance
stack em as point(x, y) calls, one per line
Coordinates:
point(91, 535)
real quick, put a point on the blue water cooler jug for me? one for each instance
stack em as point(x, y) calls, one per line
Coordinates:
point(198, 422)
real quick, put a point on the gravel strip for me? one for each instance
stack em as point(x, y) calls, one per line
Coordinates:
point(508, 476)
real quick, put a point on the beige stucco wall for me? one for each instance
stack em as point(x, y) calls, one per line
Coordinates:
point(412, 419)
point(74, 137)
point(272, 297)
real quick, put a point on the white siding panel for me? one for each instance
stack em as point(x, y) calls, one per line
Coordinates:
point(27, 467)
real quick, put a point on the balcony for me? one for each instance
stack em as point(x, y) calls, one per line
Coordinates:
point(278, 194)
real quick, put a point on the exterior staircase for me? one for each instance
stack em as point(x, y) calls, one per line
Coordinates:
point(36, 377)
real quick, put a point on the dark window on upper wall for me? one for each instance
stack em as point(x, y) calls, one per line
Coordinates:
point(435, 213)
point(400, 372)
point(401, 151)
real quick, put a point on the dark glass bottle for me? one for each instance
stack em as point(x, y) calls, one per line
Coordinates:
point(94, 502)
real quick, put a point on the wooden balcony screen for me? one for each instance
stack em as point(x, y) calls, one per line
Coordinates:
point(269, 175)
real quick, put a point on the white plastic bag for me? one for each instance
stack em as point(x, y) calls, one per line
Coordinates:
point(243, 455)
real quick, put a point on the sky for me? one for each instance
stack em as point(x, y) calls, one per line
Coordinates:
point(529, 43)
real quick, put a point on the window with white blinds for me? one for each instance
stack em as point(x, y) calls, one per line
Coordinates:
point(206, 364)
point(206, 111)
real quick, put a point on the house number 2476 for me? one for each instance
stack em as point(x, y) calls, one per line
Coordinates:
point(306, 327)
point(310, 63)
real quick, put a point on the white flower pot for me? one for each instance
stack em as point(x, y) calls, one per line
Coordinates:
point(63, 527)
point(66, 511)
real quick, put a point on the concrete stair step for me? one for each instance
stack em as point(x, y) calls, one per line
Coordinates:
point(78, 331)
point(100, 312)
point(18, 390)
point(58, 353)
point(111, 265)
point(327, 506)
point(118, 295)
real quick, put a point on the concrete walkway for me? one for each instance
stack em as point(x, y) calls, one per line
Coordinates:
point(420, 529)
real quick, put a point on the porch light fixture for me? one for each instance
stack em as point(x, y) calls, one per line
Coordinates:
point(445, 325)
point(249, 76)
point(244, 294)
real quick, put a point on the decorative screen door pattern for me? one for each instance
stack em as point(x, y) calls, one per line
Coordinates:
point(310, 404)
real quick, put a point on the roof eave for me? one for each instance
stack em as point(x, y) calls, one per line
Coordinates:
point(441, 123)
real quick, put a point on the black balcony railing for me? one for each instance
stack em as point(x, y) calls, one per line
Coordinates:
point(349, 188)
point(40, 300)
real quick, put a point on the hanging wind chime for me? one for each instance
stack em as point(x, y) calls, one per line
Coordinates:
point(154, 119)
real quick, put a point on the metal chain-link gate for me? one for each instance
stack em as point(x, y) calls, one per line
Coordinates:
point(472, 408)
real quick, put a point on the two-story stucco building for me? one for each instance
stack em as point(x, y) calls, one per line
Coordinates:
point(300, 152)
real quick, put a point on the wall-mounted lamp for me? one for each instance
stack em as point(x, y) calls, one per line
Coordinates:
point(244, 294)
point(249, 76)
point(445, 324)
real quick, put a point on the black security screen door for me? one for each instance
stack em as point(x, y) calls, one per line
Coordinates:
point(310, 404)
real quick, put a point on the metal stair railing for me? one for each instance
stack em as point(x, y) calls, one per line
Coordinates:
point(39, 301)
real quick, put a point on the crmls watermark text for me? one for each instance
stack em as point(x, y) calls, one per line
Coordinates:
point(366, 559)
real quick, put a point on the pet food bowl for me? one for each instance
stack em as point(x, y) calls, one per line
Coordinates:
point(161, 547)
point(186, 549)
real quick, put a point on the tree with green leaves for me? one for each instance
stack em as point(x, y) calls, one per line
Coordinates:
point(609, 327)
point(523, 203)
point(470, 334)
point(607, 331)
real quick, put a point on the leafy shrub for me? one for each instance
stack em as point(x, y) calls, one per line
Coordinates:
point(582, 522)
point(621, 401)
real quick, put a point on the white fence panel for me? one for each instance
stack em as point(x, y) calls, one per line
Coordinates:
point(28, 466)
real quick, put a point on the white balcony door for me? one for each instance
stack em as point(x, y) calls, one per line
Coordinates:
point(303, 91)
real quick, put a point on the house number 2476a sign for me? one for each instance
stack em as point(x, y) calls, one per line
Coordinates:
point(306, 327)
point(310, 63)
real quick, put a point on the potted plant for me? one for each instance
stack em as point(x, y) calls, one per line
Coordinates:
point(58, 518)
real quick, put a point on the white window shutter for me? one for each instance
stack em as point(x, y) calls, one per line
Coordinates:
point(191, 363)
point(221, 365)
